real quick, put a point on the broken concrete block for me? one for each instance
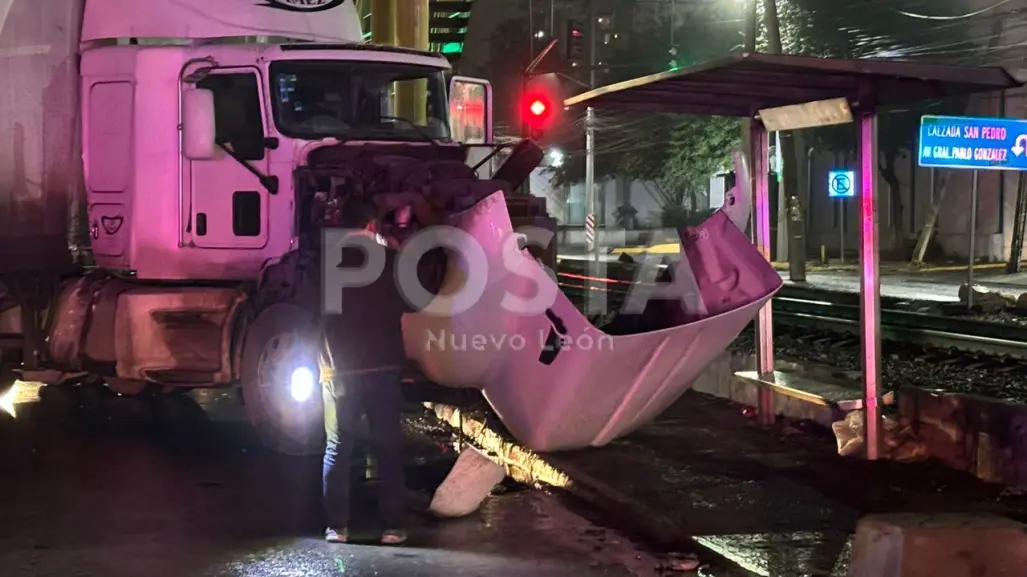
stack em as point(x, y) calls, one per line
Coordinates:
point(991, 459)
point(472, 479)
point(949, 545)
point(1021, 301)
point(899, 441)
point(988, 301)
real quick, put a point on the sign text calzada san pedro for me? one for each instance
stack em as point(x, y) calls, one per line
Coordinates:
point(973, 143)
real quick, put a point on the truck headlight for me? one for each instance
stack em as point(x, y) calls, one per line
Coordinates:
point(301, 384)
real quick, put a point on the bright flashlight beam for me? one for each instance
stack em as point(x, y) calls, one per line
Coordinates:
point(301, 384)
point(7, 402)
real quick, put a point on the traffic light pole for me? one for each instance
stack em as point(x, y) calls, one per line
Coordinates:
point(527, 73)
point(591, 198)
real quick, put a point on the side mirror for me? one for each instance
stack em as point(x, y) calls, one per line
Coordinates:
point(198, 137)
point(470, 110)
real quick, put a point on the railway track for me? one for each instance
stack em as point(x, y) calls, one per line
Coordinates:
point(797, 310)
point(906, 327)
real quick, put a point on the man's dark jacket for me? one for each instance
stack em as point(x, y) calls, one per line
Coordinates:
point(367, 335)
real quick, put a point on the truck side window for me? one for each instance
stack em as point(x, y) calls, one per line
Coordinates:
point(238, 121)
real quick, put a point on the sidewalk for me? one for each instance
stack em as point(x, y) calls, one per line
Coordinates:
point(926, 285)
point(777, 502)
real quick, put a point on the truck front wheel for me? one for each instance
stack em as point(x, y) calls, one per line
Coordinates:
point(280, 382)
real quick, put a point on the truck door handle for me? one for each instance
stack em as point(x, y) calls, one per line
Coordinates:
point(201, 223)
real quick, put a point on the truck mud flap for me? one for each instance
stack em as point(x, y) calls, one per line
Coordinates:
point(556, 381)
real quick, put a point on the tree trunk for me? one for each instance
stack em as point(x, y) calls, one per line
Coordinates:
point(789, 157)
point(750, 46)
point(932, 220)
point(891, 178)
point(693, 200)
point(1019, 224)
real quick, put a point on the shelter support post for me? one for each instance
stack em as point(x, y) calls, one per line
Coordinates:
point(760, 146)
point(869, 283)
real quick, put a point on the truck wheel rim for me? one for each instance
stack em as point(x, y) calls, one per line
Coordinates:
point(273, 378)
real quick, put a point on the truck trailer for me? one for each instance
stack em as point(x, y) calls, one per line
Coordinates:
point(160, 158)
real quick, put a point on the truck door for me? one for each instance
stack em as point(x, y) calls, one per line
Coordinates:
point(229, 205)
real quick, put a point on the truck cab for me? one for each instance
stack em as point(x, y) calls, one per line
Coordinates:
point(199, 132)
point(249, 111)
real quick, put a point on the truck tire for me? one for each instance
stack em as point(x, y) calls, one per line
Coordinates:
point(271, 352)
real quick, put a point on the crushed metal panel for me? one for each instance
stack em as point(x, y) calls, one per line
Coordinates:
point(596, 386)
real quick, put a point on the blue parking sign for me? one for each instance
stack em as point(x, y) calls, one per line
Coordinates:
point(841, 184)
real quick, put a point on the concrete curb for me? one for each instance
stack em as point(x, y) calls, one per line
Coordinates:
point(981, 436)
point(526, 466)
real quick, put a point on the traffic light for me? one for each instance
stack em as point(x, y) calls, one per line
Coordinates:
point(537, 113)
point(575, 52)
point(540, 105)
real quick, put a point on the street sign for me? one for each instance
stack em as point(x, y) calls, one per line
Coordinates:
point(973, 143)
point(841, 184)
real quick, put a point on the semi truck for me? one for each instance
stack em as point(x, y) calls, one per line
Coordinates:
point(158, 158)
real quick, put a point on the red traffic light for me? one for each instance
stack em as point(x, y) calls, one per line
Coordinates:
point(539, 105)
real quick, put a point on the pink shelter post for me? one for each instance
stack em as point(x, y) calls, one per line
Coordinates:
point(869, 283)
point(760, 143)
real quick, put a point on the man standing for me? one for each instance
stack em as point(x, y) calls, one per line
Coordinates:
point(362, 365)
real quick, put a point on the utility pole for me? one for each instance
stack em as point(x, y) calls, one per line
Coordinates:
point(526, 187)
point(591, 197)
point(531, 28)
point(748, 45)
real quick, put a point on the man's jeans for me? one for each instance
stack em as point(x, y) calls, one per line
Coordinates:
point(380, 396)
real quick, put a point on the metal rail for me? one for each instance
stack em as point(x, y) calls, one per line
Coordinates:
point(893, 328)
point(966, 335)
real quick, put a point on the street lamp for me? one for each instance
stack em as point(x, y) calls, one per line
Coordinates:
point(556, 158)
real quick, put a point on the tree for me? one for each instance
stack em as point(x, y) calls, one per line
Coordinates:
point(857, 29)
point(673, 154)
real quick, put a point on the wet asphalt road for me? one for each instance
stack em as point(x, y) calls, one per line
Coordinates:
point(112, 487)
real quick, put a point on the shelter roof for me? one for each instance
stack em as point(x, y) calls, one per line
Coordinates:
point(743, 84)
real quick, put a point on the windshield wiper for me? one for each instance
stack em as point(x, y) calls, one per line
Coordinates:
point(413, 125)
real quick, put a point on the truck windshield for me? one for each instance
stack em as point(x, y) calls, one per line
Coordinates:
point(359, 100)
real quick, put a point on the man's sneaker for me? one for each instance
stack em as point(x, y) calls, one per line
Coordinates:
point(393, 537)
point(336, 535)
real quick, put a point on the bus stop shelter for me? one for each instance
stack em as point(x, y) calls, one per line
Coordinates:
point(786, 92)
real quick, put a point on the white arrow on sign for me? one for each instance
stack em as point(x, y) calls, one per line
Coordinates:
point(1020, 146)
